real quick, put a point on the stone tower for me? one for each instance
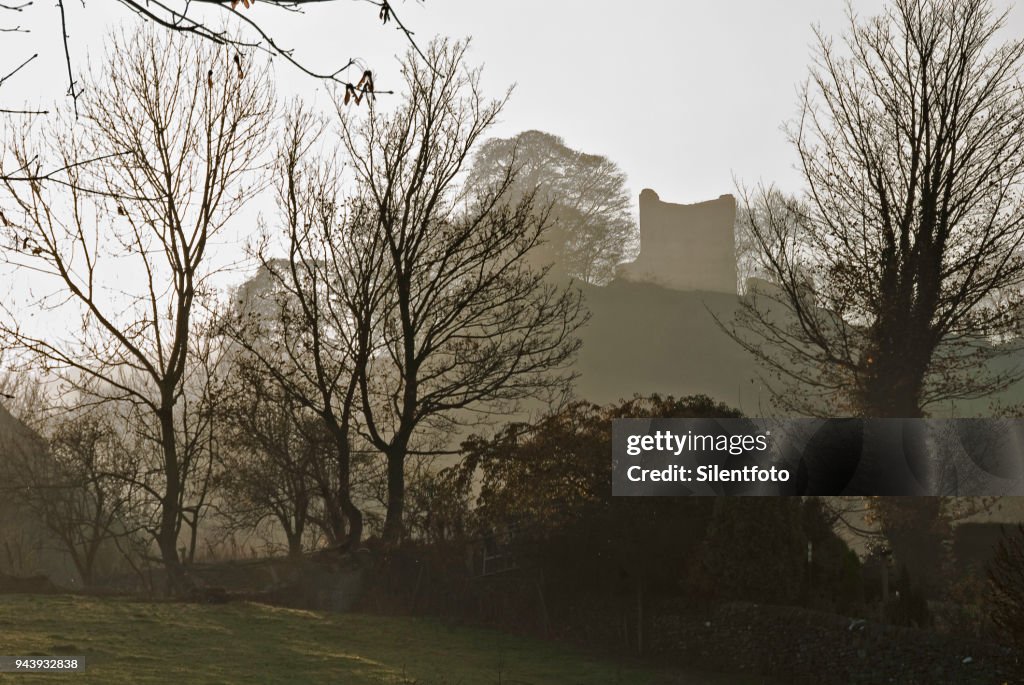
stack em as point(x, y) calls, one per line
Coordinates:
point(685, 247)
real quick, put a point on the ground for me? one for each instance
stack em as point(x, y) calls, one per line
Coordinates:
point(126, 641)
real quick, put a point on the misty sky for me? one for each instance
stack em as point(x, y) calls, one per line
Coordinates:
point(683, 95)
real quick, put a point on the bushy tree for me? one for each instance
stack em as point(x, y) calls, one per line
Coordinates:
point(756, 550)
point(548, 486)
point(555, 472)
point(591, 211)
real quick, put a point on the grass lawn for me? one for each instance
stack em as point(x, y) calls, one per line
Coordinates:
point(125, 641)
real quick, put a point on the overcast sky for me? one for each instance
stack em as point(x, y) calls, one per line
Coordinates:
point(683, 95)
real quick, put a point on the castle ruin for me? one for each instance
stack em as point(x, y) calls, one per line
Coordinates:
point(685, 247)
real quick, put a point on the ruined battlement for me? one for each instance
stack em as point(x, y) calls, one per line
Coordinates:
point(685, 247)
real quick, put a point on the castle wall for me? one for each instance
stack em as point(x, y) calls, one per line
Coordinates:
point(685, 247)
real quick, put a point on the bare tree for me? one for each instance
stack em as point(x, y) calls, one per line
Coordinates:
point(897, 278)
point(76, 486)
point(305, 320)
point(461, 325)
point(279, 452)
point(125, 240)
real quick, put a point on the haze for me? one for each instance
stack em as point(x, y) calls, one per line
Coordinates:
point(684, 96)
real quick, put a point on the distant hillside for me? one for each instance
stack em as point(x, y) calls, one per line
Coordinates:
point(644, 338)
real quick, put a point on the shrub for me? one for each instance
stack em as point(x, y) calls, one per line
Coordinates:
point(1006, 587)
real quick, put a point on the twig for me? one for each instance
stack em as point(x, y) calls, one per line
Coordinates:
point(50, 176)
point(176, 20)
point(388, 11)
point(18, 68)
point(288, 55)
point(162, 14)
point(67, 57)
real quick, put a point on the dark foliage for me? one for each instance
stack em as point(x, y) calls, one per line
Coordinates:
point(546, 489)
point(910, 607)
point(1006, 587)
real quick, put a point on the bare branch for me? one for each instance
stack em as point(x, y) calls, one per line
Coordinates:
point(18, 68)
point(72, 90)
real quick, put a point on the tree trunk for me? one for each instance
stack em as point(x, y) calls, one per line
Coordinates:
point(895, 370)
point(893, 396)
point(294, 543)
point(167, 535)
point(355, 522)
point(353, 516)
point(393, 528)
point(333, 513)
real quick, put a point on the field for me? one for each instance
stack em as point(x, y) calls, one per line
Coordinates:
point(126, 641)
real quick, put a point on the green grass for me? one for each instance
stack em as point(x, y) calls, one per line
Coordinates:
point(125, 641)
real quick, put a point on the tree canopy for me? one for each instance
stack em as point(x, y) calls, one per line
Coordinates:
point(591, 211)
